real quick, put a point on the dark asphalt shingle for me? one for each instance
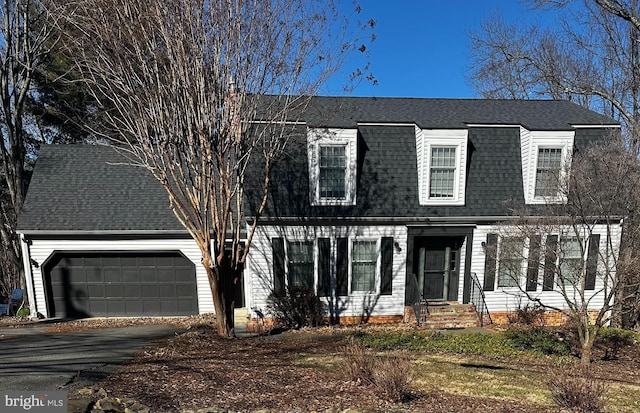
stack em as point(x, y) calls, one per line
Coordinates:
point(91, 188)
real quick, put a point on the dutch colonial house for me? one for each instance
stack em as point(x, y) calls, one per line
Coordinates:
point(381, 203)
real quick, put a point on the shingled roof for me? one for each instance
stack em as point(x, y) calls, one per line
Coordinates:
point(347, 112)
point(91, 188)
point(84, 188)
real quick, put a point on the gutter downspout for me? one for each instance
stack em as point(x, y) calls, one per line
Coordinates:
point(28, 275)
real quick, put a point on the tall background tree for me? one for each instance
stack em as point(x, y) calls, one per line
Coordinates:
point(200, 91)
point(39, 105)
point(588, 52)
point(25, 41)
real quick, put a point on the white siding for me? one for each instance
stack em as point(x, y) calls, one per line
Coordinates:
point(509, 299)
point(259, 268)
point(420, 155)
point(41, 250)
point(525, 154)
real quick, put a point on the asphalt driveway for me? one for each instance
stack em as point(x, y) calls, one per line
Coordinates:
point(36, 360)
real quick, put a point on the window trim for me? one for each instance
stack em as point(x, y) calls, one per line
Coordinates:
point(376, 271)
point(456, 166)
point(314, 260)
point(561, 173)
point(560, 259)
point(324, 137)
point(346, 172)
point(532, 142)
point(450, 138)
point(523, 261)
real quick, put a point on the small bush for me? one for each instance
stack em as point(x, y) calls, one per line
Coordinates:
point(393, 375)
point(529, 315)
point(581, 394)
point(358, 362)
point(296, 308)
point(538, 339)
point(23, 311)
point(611, 340)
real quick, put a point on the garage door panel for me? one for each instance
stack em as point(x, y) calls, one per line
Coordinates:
point(130, 275)
point(165, 262)
point(112, 275)
point(166, 291)
point(88, 261)
point(132, 291)
point(183, 275)
point(146, 261)
point(133, 307)
point(93, 275)
point(166, 275)
point(170, 306)
point(96, 290)
point(129, 261)
point(150, 291)
point(148, 275)
point(99, 306)
point(151, 307)
point(118, 284)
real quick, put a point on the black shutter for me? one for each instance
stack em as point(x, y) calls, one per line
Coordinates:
point(490, 262)
point(342, 266)
point(277, 248)
point(386, 252)
point(324, 267)
point(550, 256)
point(592, 262)
point(533, 264)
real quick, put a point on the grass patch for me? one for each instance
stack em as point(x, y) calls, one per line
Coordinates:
point(467, 377)
point(537, 342)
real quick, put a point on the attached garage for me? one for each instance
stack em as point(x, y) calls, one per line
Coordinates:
point(95, 284)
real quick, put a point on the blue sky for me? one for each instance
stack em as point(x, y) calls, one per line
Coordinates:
point(421, 48)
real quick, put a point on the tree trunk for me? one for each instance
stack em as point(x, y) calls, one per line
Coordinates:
point(587, 339)
point(221, 283)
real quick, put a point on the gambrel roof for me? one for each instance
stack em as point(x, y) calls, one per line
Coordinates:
point(85, 188)
point(347, 112)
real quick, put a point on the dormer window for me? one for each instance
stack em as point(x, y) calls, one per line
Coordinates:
point(442, 156)
point(442, 173)
point(546, 159)
point(332, 166)
point(333, 172)
point(548, 169)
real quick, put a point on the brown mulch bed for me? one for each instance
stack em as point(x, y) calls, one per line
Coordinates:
point(70, 326)
point(278, 373)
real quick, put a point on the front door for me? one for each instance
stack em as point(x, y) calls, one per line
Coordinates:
point(437, 262)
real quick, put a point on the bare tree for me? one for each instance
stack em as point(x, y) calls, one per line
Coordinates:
point(590, 55)
point(202, 92)
point(571, 250)
point(25, 41)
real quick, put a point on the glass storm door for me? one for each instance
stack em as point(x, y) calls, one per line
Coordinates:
point(437, 265)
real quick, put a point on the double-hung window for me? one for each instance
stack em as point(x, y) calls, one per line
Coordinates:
point(442, 172)
point(441, 162)
point(511, 261)
point(333, 172)
point(300, 264)
point(364, 257)
point(332, 157)
point(548, 169)
point(571, 261)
